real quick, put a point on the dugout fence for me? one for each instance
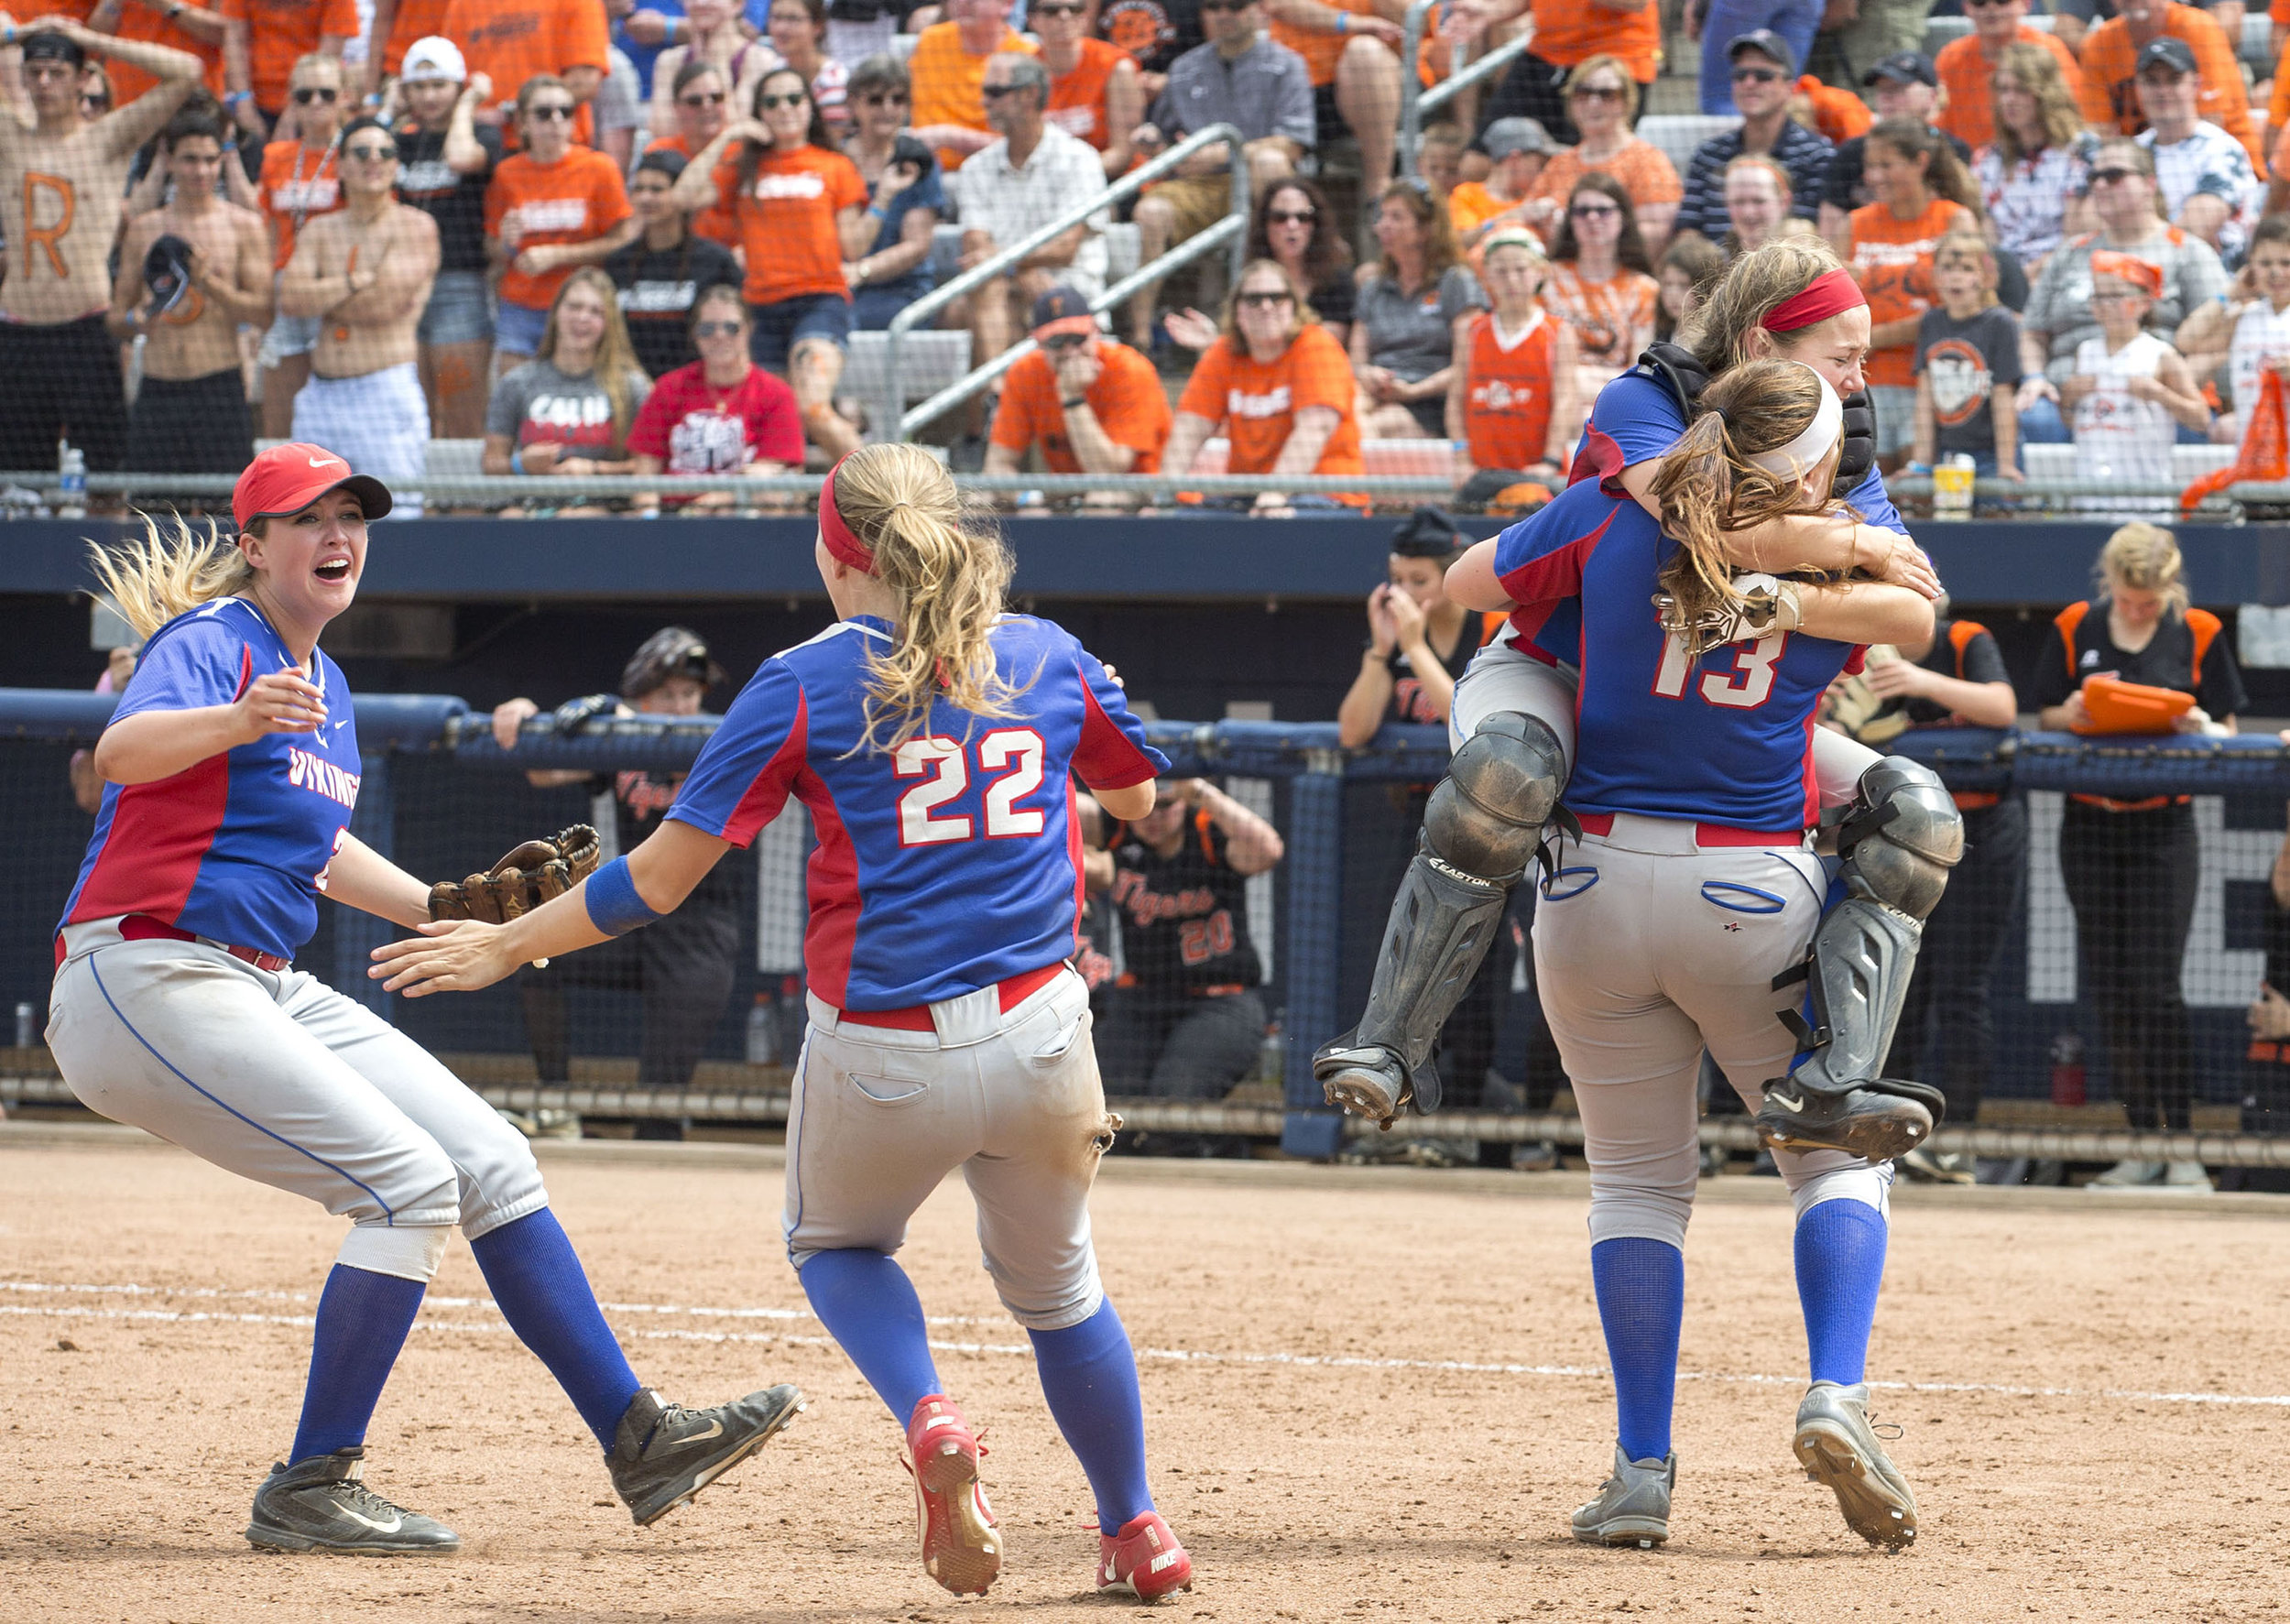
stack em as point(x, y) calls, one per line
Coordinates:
point(441, 797)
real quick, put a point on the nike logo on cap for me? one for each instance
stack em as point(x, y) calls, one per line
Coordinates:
point(325, 461)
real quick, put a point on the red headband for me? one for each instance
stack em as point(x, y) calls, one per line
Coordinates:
point(1830, 295)
point(837, 535)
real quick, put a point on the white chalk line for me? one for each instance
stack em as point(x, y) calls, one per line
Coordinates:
point(1158, 1355)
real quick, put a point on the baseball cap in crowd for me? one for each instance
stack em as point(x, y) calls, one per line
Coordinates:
point(1766, 43)
point(166, 272)
point(663, 160)
point(50, 45)
point(1505, 136)
point(2167, 52)
point(1061, 309)
point(435, 60)
point(1904, 67)
point(671, 651)
point(287, 478)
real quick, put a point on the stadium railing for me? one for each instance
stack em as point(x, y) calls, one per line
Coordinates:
point(1416, 101)
point(440, 796)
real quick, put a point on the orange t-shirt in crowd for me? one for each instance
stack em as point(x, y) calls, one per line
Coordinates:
point(786, 219)
point(416, 19)
point(719, 222)
point(2277, 113)
point(2111, 102)
point(1077, 100)
point(1507, 392)
point(1128, 399)
point(154, 28)
point(508, 41)
point(1968, 112)
point(1612, 320)
point(950, 83)
point(1569, 32)
point(1642, 167)
point(295, 186)
point(1256, 402)
point(280, 33)
point(575, 200)
point(1321, 51)
point(1838, 114)
point(1471, 205)
point(1891, 260)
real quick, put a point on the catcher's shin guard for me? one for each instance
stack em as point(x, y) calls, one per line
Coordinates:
point(1897, 844)
point(1480, 829)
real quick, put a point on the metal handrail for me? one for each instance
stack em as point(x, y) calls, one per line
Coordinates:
point(1415, 102)
point(924, 309)
point(1137, 281)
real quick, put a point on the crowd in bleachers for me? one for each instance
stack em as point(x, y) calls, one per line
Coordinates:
point(500, 223)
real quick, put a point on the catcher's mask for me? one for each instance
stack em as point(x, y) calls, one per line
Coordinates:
point(672, 651)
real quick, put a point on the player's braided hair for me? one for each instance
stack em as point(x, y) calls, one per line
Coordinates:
point(1708, 486)
point(950, 573)
point(169, 571)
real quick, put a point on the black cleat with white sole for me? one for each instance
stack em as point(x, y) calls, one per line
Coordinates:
point(664, 1454)
point(320, 1504)
point(1880, 1120)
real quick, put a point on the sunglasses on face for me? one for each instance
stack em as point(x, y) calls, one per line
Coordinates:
point(1266, 302)
point(995, 93)
point(545, 111)
point(792, 99)
point(1291, 217)
point(1593, 211)
point(714, 329)
point(702, 99)
point(1983, 5)
point(376, 154)
point(316, 92)
point(2112, 177)
point(1597, 92)
point(885, 99)
point(1209, 5)
point(1757, 75)
point(1058, 344)
point(1057, 11)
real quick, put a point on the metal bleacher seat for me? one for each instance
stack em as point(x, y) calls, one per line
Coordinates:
point(1679, 134)
point(2190, 463)
point(903, 45)
point(1383, 459)
point(2048, 462)
point(455, 459)
point(929, 361)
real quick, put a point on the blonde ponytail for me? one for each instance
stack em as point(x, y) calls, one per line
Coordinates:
point(169, 570)
point(1708, 486)
point(949, 574)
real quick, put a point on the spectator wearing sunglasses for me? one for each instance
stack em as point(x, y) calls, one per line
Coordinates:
point(1602, 100)
point(298, 183)
point(445, 161)
point(1095, 92)
point(513, 41)
point(1567, 33)
point(1091, 404)
point(661, 275)
point(721, 413)
point(700, 98)
point(264, 43)
point(799, 36)
point(716, 39)
point(363, 273)
point(1763, 70)
point(948, 69)
point(906, 200)
point(550, 210)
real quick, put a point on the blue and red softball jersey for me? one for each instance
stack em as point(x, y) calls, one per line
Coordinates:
point(236, 848)
point(1726, 739)
point(1636, 419)
point(950, 863)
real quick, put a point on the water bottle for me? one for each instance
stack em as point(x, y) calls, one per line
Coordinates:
point(25, 1034)
point(1272, 1055)
point(71, 481)
point(794, 1015)
point(2067, 1069)
point(763, 1045)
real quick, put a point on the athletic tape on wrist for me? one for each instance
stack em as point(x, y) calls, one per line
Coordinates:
point(614, 906)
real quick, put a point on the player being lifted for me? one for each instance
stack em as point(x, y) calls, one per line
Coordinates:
point(62, 184)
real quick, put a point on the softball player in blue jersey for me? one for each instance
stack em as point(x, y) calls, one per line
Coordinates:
point(934, 740)
point(230, 770)
point(1690, 888)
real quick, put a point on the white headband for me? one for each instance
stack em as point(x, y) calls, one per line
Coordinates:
point(1805, 453)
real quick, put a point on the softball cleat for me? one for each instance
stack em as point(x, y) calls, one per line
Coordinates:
point(1143, 1560)
point(962, 1544)
point(320, 1504)
point(1838, 1449)
point(1633, 1506)
point(664, 1454)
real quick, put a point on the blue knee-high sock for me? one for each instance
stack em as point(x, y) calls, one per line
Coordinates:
point(1642, 1302)
point(1089, 1376)
point(540, 1287)
point(1840, 1264)
point(362, 1318)
point(869, 1306)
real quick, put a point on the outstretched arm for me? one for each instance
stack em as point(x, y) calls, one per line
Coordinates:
point(361, 877)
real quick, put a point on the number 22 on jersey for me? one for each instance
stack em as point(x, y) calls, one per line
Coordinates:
point(1746, 687)
point(1010, 761)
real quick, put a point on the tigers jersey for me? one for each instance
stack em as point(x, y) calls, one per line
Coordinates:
point(235, 847)
point(1724, 738)
point(1185, 917)
point(950, 863)
point(1507, 391)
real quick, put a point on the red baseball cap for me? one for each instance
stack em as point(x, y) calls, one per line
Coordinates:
point(288, 478)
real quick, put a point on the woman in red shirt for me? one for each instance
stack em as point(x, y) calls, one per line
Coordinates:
point(802, 217)
point(722, 414)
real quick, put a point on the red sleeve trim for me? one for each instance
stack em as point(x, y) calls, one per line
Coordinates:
point(1105, 758)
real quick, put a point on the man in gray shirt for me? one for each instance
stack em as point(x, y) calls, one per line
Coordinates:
point(1240, 77)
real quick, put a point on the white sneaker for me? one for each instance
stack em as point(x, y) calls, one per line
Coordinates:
point(2126, 1174)
point(2187, 1175)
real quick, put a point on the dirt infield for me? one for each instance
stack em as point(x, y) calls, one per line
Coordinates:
point(1369, 1395)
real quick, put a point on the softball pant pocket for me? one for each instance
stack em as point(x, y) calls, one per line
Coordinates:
point(881, 1116)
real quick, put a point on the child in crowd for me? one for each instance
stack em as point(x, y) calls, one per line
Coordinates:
point(1968, 365)
point(2130, 390)
point(1440, 157)
point(1510, 405)
point(2248, 330)
point(1691, 262)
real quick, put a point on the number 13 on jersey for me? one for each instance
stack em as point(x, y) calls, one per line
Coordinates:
point(1746, 687)
point(1010, 761)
